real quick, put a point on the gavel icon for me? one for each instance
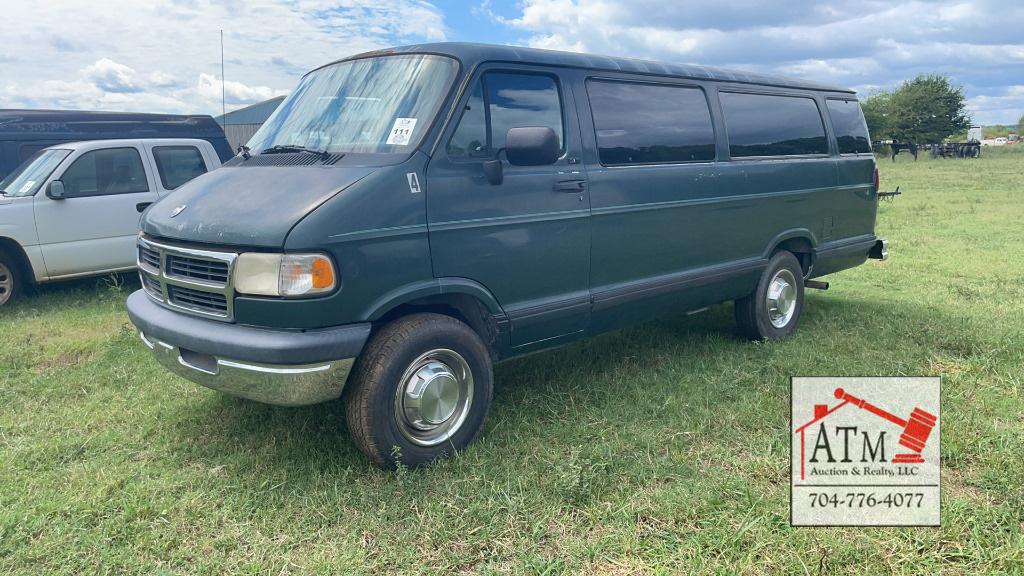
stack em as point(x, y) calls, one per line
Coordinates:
point(915, 430)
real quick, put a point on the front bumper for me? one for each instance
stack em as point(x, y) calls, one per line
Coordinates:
point(289, 368)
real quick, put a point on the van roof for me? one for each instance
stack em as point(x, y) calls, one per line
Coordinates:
point(79, 125)
point(471, 54)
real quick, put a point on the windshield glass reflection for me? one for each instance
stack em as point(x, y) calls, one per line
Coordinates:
point(369, 105)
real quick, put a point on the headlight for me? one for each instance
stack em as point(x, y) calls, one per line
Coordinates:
point(284, 274)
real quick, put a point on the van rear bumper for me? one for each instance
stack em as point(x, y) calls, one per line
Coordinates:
point(281, 367)
point(880, 250)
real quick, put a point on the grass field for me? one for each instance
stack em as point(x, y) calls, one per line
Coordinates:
point(659, 449)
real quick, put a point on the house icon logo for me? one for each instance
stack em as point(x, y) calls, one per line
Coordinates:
point(865, 451)
point(915, 434)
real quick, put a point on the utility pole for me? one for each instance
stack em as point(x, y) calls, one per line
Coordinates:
point(223, 106)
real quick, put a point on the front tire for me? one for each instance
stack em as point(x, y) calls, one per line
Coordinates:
point(10, 279)
point(773, 310)
point(419, 390)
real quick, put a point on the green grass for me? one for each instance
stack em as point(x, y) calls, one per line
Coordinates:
point(659, 449)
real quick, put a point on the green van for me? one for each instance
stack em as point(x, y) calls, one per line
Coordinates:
point(408, 217)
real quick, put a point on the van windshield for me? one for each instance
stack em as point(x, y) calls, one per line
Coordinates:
point(27, 178)
point(371, 105)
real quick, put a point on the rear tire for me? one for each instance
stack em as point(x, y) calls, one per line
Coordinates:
point(10, 279)
point(419, 390)
point(773, 310)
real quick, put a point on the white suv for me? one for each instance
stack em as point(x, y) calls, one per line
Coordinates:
point(73, 209)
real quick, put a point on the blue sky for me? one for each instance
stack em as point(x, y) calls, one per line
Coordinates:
point(164, 55)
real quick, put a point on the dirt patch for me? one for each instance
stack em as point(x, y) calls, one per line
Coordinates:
point(64, 359)
point(945, 367)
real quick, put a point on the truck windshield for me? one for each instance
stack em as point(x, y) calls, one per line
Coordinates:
point(27, 178)
point(370, 105)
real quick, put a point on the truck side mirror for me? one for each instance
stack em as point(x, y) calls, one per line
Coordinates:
point(55, 190)
point(532, 146)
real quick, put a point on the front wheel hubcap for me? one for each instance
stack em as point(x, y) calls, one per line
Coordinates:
point(434, 397)
point(781, 299)
point(6, 283)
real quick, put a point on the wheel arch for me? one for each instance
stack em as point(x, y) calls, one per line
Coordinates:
point(13, 249)
point(463, 299)
point(801, 242)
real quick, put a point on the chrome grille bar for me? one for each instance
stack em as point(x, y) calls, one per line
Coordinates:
point(188, 279)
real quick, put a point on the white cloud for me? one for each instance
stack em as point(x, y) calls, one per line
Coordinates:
point(866, 43)
point(1001, 108)
point(164, 55)
point(209, 87)
point(162, 80)
point(110, 76)
point(109, 85)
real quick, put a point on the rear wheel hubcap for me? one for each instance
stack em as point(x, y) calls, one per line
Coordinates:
point(781, 298)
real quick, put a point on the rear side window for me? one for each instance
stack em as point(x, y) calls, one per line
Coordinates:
point(501, 101)
point(104, 172)
point(178, 164)
point(768, 125)
point(849, 126)
point(650, 123)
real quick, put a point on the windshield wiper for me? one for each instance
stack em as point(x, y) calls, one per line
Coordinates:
point(286, 148)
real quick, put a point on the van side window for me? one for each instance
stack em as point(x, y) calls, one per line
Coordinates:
point(505, 100)
point(849, 125)
point(178, 164)
point(104, 172)
point(470, 137)
point(769, 125)
point(650, 123)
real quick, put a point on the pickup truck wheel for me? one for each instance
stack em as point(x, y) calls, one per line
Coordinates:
point(10, 279)
point(419, 390)
point(773, 310)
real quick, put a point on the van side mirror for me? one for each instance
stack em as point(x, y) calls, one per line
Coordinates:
point(532, 146)
point(55, 190)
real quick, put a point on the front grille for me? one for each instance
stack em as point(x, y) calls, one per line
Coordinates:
point(192, 280)
point(149, 257)
point(199, 300)
point(197, 268)
point(153, 286)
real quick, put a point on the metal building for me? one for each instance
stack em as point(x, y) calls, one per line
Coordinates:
point(239, 125)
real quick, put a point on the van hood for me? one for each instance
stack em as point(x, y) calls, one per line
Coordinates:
point(247, 206)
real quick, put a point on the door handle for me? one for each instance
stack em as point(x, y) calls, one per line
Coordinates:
point(141, 206)
point(571, 185)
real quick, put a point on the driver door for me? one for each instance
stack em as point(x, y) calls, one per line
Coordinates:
point(526, 238)
point(93, 229)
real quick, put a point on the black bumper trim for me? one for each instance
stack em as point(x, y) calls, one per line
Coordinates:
point(248, 343)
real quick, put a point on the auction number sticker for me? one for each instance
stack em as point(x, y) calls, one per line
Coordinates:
point(401, 131)
point(865, 451)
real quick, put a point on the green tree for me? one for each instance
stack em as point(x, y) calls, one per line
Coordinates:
point(1020, 126)
point(927, 109)
point(876, 113)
